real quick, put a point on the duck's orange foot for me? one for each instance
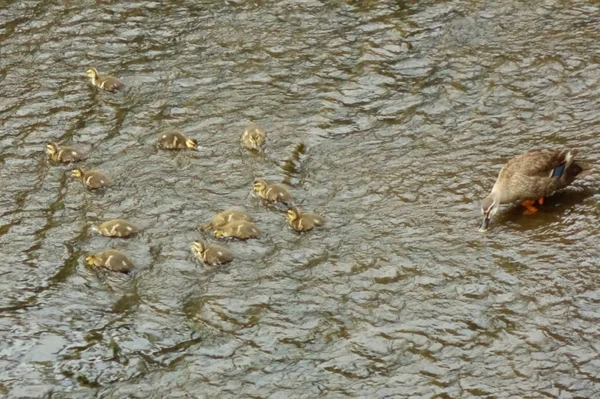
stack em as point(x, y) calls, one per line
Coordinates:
point(541, 201)
point(530, 208)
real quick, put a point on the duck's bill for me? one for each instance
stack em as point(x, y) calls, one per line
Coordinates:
point(485, 224)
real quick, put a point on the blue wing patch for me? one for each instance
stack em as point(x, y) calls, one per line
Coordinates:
point(558, 171)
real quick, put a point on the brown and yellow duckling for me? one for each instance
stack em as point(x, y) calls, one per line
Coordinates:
point(118, 228)
point(303, 221)
point(253, 138)
point(241, 229)
point(64, 154)
point(221, 219)
point(92, 179)
point(175, 140)
point(212, 255)
point(272, 192)
point(111, 259)
point(106, 82)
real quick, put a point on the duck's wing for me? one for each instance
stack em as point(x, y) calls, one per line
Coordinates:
point(537, 174)
point(541, 163)
point(111, 83)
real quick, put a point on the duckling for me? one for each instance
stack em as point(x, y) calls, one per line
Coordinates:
point(241, 229)
point(253, 138)
point(92, 178)
point(111, 259)
point(303, 221)
point(118, 228)
point(272, 192)
point(65, 154)
point(106, 82)
point(212, 255)
point(221, 219)
point(175, 140)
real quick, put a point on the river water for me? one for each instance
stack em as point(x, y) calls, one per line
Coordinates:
point(390, 118)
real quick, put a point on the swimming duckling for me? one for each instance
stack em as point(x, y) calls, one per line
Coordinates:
point(65, 154)
point(111, 259)
point(92, 178)
point(106, 82)
point(221, 219)
point(118, 228)
point(241, 229)
point(253, 138)
point(272, 192)
point(303, 221)
point(175, 140)
point(211, 254)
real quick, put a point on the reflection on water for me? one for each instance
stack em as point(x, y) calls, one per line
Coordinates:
point(392, 120)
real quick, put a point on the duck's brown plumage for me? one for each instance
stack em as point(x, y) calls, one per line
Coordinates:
point(105, 82)
point(530, 175)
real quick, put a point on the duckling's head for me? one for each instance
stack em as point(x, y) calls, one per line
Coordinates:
point(255, 137)
point(293, 213)
point(90, 260)
point(92, 73)
point(259, 185)
point(198, 247)
point(191, 143)
point(77, 173)
point(51, 148)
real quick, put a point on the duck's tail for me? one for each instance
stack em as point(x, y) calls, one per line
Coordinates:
point(577, 170)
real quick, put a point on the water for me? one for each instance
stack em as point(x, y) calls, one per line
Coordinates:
point(390, 119)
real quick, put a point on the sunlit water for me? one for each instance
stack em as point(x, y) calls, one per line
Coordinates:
point(390, 119)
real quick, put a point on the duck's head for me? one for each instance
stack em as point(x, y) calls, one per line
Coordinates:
point(90, 260)
point(259, 185)
point(77, 173)
point(51, 148)
point(489, 207)
point(255, 139)
point(92, 73)
point(293, 213)
point(191, 143)
point(198, 247)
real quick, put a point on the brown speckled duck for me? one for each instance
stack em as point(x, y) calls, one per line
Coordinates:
point(212, 254)
point(175, 140)
point(530, 177)
point(64, 154)
point(106, 82)
point(111, 259)
point(272, 192)
point(118, 228)
point(92, 179)
point(241, 229)
point(303, 221)
point(253, 138)
point(221, 219)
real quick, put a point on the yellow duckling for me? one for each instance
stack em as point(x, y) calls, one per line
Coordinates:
point(92, 178)
point(118, 228)
point(106, 82)
point(303, 221)
point(241, 229)
point(175, 140)
point(221, 219)
point(253, 138)
point(64, 154)
point(111, 259)
point(272, 192)
point(212, 255)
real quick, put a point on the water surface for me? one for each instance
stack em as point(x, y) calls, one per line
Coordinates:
point(392, 119)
